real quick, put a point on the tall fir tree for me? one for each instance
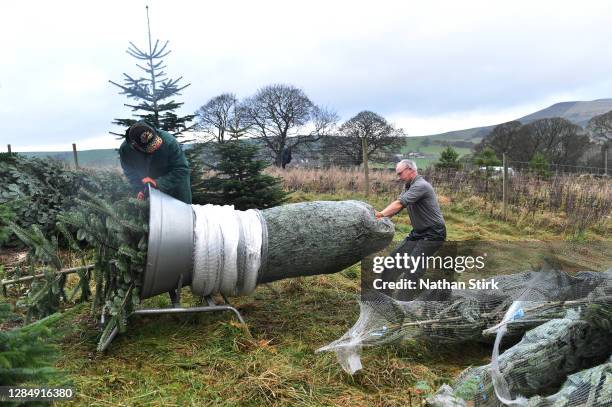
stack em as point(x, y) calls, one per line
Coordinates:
point(154, 92)
point(239, 180)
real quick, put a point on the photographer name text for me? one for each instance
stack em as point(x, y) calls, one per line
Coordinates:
point(442, 284)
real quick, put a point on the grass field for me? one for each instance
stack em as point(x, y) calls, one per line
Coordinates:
point(210, 360)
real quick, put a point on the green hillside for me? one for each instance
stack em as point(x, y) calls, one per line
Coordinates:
point(426, 150)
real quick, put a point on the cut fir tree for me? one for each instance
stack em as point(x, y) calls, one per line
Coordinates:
point(118, 232)
point(262, 246)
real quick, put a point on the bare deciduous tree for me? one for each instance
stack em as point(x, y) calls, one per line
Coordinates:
point(557, 139)
point(551, 137)
point(502, 138)
point(282, 116)
point(378, 133)
point(222, 118)
point(600, 128)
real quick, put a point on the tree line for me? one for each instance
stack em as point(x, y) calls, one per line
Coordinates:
point(282, 118)
point(553, 140)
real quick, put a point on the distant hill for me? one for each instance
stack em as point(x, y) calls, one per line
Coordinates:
point(87, 158)
point(578, 112)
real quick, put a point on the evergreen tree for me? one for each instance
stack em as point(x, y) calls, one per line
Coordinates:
point(6, 215)
point(239, 180)
point(195, 155)
point(448, 159)
point(119, 233)
point(153, 91)
point(539, 165)
point(26, 356)
point(487, 159)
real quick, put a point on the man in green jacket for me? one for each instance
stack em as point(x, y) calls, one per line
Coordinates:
point(151, 156)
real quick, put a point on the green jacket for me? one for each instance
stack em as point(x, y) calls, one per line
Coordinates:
point(167, 166)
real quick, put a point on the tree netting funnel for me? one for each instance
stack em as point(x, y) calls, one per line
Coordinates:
point(219, 249)
point(170, 246)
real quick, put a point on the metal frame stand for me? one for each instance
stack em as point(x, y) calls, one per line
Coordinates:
point(175, 297)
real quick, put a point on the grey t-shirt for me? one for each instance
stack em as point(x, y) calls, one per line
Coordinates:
point(421, 202)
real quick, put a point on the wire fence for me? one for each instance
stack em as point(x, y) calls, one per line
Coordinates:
point(564, 201)
point(323, 159)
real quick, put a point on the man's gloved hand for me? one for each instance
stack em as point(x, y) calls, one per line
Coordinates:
point(148, 180)
point(140, 196)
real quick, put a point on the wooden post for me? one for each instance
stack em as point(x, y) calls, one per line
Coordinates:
point(76, 158)
point(366, 266)
point(9, 148)
point(364, 148)
point(605, 160)
point(41, 275)
point(505, 184)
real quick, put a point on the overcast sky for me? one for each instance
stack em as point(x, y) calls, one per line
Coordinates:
point(427, 66)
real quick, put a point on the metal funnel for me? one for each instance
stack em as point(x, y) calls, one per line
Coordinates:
point(170, 248)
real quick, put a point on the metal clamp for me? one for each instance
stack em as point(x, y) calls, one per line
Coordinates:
point(178, 309)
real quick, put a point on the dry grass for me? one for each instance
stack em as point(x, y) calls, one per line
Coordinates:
point(334, 179)
point(570, 204)
point(208, 360)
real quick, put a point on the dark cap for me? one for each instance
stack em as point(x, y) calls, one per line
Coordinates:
point(143, 137)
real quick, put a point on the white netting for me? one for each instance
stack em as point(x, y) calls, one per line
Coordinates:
point(571, 316)
point(539, 364)
point(590, 387)
point(227, 250)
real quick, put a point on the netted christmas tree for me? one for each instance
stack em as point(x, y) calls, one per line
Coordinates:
point(154, 92)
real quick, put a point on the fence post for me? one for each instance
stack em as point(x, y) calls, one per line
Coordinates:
point(504, 184)
point(364, 149)
point(76, 158)
point(9, 148)
point(605, 160)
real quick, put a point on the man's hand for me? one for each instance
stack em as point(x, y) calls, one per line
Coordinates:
point(140, 196)
point(379, 215)
point(151, 181)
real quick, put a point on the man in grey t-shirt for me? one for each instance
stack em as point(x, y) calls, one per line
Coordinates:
point(428, 227)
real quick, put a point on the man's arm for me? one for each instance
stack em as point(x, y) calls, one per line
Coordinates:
point(413, 194)
point(178, 169)
point(393, 208)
